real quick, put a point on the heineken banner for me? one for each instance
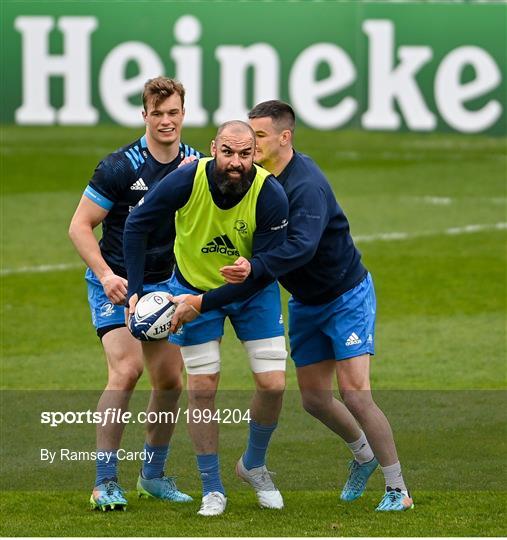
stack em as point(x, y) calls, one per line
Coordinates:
point(377, 66)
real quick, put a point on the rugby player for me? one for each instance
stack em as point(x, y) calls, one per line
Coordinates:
point(120, 180)
point(226, 207)
point(331, 312)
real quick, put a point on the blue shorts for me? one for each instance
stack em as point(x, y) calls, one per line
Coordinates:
point(258, 317)
point(340, 329)
point(104, 312)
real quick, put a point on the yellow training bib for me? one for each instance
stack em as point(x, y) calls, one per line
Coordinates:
point(208, 237)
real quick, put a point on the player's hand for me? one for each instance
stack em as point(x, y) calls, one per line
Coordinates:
point(130, 310)
point(132, 303)
point(189, 308)
point(115, 288)
point(238, 272)
point(187, 160)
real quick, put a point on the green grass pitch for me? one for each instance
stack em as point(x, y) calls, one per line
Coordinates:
point(429, 216)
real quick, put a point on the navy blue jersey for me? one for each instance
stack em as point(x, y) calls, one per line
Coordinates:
point(161, 204)
point(118, 183)
point(318, 262)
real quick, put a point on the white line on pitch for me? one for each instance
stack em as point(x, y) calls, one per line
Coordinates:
point(385, 237)
point(445, 201)
point(40, 269)
point(467, 229)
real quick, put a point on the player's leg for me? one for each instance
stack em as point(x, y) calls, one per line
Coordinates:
point(354, 384)
point(352, 329)
point(258, 323)
point(164, 364)
point(313, 353)
point(267, 361)
point(203, 366)
point(165, 369)
point(125, 366)
point(315, 383)
point(267, 400)
point(200, 348)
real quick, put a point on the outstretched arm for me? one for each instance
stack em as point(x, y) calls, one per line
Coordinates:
point(307, 221)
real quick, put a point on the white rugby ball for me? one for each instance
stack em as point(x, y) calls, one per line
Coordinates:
point(152, 318)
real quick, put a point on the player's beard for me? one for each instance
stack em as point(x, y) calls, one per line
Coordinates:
point(234, 186)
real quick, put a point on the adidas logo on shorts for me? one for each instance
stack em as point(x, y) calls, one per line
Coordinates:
point(354, 339)
point(221, 244)
point(139, 185)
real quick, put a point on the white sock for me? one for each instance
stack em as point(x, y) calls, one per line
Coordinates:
point(394, 478)
point(361, 449)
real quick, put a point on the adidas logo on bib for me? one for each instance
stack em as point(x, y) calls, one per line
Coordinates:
point(221, 244)
point(139, 186)
point(354, 339)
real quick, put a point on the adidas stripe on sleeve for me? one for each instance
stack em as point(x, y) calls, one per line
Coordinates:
point(98, 198)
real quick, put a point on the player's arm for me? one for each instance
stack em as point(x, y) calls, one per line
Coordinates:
point(307, 220)
point(87, 216)
point(271, 219)
point(155, 209)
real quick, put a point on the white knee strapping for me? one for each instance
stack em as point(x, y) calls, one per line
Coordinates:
point(267, 354)
point(202, 359)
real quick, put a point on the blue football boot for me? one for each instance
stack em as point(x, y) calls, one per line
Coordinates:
point(161, 488)
point(395, 500)
point(108, 496)
point(358, 477)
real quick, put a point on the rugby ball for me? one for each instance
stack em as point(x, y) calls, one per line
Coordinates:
point(152, 318)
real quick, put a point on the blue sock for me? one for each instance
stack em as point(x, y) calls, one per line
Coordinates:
point(258, 440)
point(209, 468)
point(106, 464)
point(155, 468)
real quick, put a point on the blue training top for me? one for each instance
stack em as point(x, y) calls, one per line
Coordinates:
point(120, 180)
point(318, 262)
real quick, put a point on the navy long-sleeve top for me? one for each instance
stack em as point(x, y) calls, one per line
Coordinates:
point(318, 262)
point(157, 210)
